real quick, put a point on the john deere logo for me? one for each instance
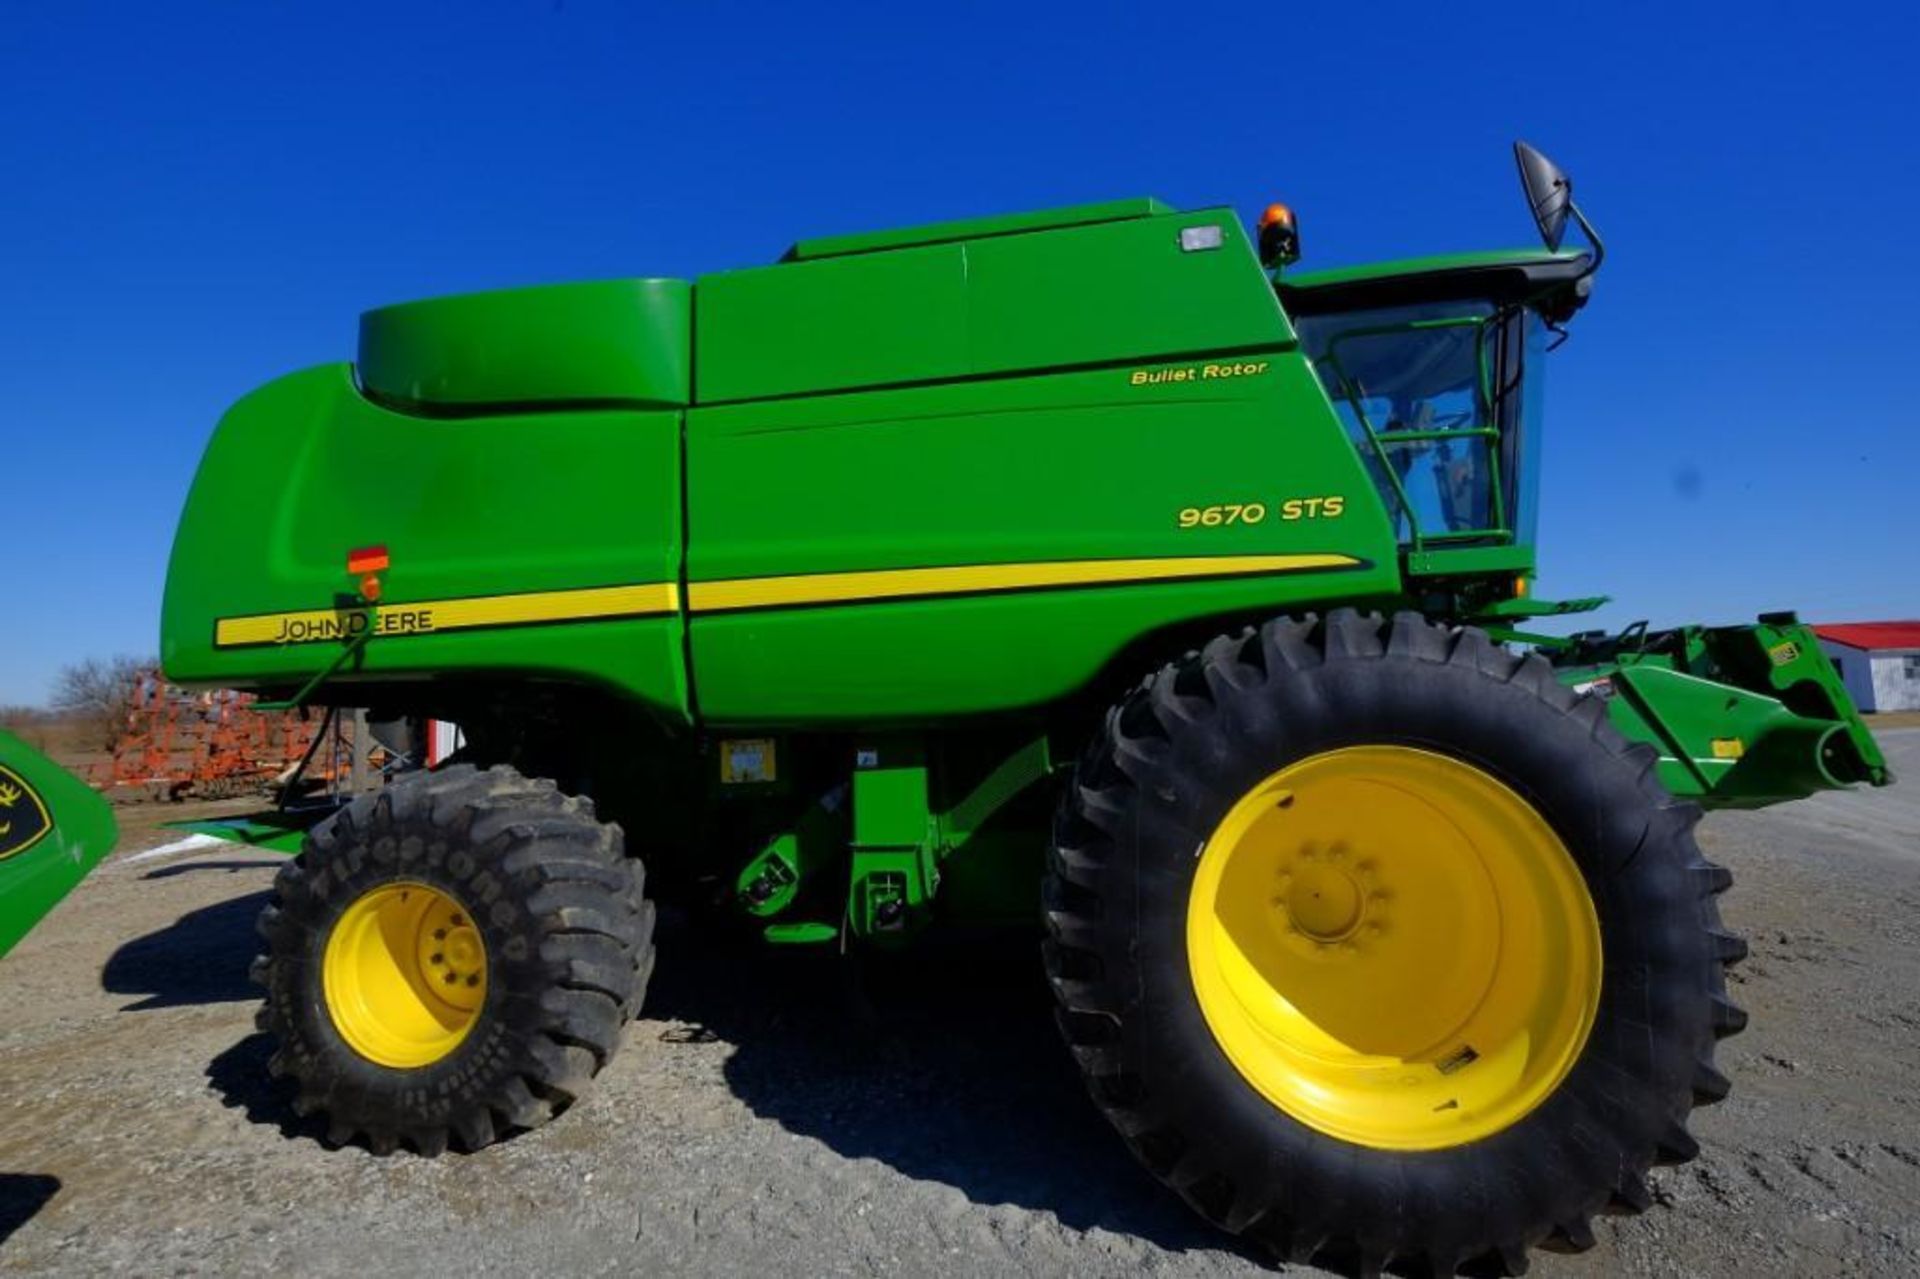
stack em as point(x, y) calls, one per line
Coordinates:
point(23, 818)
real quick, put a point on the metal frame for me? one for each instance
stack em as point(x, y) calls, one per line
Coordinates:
point(1484, 406)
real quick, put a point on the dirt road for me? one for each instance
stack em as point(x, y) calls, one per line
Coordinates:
point(754, 1121)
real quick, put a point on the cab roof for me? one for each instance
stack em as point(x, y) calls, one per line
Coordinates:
point(1502, 275)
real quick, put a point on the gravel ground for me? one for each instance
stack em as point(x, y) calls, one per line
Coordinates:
point(761, 1115)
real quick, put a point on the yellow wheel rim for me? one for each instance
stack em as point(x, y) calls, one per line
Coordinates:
point(1394, 948)
point(405, 975)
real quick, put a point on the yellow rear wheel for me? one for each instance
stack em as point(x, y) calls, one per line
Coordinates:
point(1393, 947)
point(405, 975)
point(1325, 911)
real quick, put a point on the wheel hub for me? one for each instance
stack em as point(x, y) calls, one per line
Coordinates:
point(404, 975)
point(1328, 899)
point(450, 954)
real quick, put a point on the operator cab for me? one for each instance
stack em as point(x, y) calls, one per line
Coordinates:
point(1435, 367)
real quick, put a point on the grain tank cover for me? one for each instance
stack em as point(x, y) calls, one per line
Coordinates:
point(1127, 281)
point(604, 342)
point(833, 246)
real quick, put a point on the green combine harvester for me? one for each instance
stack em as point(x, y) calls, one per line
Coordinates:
point(1089, 566)
point(54, 828)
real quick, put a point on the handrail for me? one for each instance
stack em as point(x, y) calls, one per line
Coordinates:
point(351, 649)
point(1484, 408)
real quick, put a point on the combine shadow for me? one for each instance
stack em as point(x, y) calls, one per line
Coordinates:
point(200, 958)
point(239, 1076)
point(944, 1064)
point(22, 1196)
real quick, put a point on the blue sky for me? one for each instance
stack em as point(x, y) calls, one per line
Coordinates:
point(199, 197)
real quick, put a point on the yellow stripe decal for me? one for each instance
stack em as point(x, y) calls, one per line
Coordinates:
point(655, 599)
point(966, 579)
point(432, 616)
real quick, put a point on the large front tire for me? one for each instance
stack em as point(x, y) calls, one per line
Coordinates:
point(451, 959)
point(1377, 944)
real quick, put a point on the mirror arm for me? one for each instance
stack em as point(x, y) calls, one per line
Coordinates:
point(1593, 238)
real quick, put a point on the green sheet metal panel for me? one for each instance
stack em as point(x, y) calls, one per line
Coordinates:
point(1079, 294)
point(1090, 466)
point(977, 228)
point(824, 325)
point(488, 521)
point(600, 342)
point(273, 831)
point(1117, 291)
point(54, 828)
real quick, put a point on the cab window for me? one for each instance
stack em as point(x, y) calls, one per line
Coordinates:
point(1429, 394)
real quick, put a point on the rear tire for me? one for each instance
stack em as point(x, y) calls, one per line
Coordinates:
point(554, 941)
point(1153, 794)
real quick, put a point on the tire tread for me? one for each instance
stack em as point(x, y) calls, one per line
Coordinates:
point(1088, 901)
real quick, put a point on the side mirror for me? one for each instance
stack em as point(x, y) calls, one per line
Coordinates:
point(1549, 193)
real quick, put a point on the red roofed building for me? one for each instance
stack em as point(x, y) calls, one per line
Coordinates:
point(1878, 661)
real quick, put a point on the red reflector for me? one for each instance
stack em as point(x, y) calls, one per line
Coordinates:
point(368, 559)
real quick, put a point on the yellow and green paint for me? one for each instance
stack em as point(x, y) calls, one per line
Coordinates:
point(924, 492)
point(53, 829)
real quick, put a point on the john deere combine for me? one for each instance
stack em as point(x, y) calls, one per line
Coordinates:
point(1089, 565)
